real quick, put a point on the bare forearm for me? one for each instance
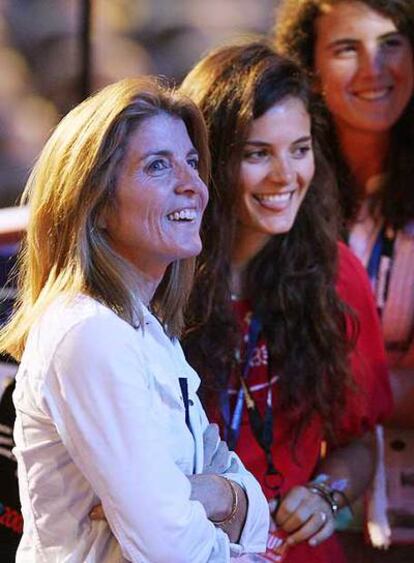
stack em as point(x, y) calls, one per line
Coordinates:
point(353, 465)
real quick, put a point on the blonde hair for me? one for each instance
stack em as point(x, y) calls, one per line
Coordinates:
point(73, 181)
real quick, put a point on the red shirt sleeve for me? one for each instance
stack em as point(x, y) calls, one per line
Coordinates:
point(371, 403)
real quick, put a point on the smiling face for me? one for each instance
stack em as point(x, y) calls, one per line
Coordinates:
point(364, 66)
point(160, 198)
point(276, 170)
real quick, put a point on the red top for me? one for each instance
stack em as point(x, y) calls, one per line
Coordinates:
point(371, 405)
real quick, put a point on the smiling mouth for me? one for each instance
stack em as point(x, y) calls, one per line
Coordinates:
point(274, 199)
point(186, 215)
point(373, 95)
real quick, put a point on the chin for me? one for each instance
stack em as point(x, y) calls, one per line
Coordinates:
point(190, 252)
point(373, 123)
point(283, 227)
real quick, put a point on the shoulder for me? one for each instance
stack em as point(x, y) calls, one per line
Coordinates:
point(372, 403)
point(352, 281)
point(354, 288)
point(93, 328)
point(78, 311)
point(80, 323)
point(348, 262)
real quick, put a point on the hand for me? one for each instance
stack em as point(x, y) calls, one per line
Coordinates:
point(214, 494)
point(216, 462)
point(212, 491)
point(304, 515)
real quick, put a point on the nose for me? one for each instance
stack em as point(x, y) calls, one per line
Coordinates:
point(371, 61)
point(281, 171)
point(189, 182)
point(186, 179)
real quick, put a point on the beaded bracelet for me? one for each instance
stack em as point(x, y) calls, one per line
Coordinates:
point(234, 507)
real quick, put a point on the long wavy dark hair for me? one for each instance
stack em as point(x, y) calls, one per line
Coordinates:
point(290, 283)
point(295, 36)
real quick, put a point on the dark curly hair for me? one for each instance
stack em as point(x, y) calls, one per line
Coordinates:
point(295, 36)
point(290, 283)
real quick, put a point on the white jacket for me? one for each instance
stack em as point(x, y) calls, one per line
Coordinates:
point(100, 418)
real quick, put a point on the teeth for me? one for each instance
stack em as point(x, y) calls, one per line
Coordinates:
point(274, 198)
point(373, 94)
point(182, 215)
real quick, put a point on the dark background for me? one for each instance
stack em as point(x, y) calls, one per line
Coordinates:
point(41, 58)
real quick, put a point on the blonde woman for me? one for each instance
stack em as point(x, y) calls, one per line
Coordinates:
point(106, 404)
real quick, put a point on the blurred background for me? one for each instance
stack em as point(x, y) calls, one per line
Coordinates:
point(42, 58)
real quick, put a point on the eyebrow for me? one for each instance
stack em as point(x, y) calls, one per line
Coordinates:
point(167, 153)
point(350, 40)
point(264, 144)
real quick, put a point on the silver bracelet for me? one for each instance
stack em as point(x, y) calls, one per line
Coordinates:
point(326, 493)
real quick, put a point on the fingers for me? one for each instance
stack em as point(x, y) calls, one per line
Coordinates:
point(210, 439)
point(325, 531)
point(288, 515)
point(97, 513)
point(305, 516)
point(318, 528)
point(213, 493)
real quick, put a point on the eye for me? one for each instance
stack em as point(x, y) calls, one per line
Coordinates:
point(194, 162)
point(301, 151)
point(345, 50)
point(157, 165)
point(256, 154)
point(392, 42)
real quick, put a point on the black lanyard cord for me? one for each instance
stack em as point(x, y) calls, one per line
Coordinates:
point(261, 426)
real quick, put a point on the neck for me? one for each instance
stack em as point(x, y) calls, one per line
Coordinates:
point(249, 242)
point(146, 287)
point(365, 152)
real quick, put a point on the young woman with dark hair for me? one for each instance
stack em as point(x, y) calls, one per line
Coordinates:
point(281, 319)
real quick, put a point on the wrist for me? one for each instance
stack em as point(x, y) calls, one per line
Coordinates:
point(228, 512)
point(326, 494)
point(330, 490)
